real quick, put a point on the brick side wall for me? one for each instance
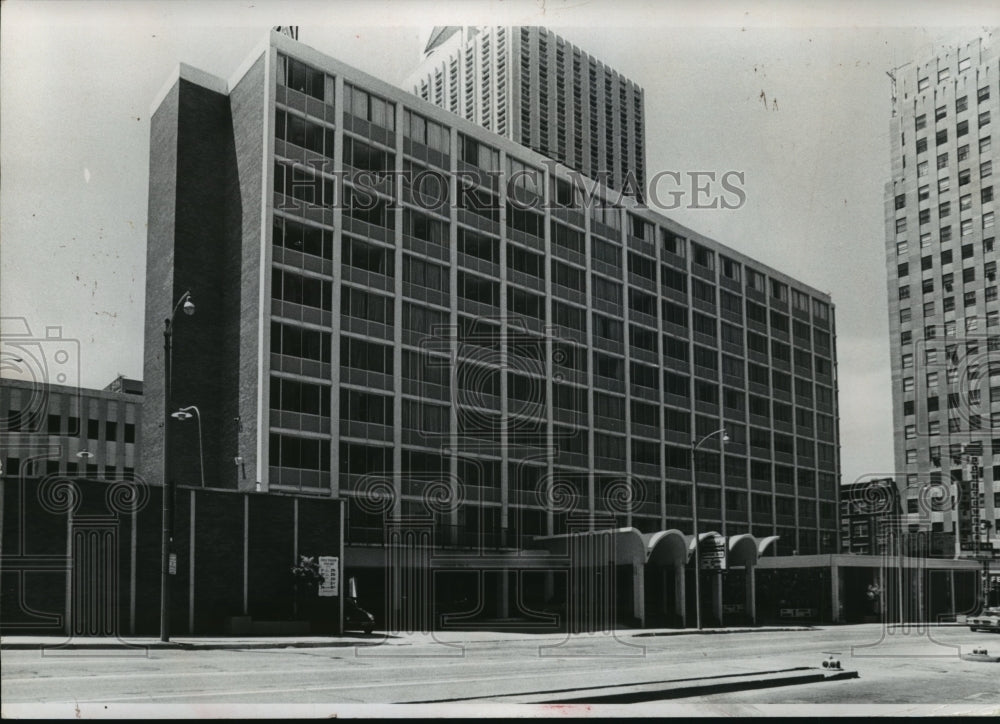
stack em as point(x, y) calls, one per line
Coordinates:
point(248, 100)
point(159, 276)
point(41, 557)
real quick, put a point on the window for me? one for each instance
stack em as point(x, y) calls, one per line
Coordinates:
point(962, 129)
point(900, 225)
point(301, 77)
point(922, 169)
point(944, 185)
point(984, 145)
point(301, 290)
point(961, 104)
point(941, 137)
point(984, 118)
point(426, 132)
point(986, 169)
point(730, 269)
point(986, 195)
point(921, 145)
point(964, 64)
point(425, 274)
point(371, 108)
point(942, 161)
point(923, 83)
point(477, 154)
point(702, 256)
point(365, 305)
point(672, 243)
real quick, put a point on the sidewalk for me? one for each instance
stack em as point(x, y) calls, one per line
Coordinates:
point(57, 643)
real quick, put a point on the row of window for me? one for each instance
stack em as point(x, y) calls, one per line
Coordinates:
point(359, 459)
point(298, 396)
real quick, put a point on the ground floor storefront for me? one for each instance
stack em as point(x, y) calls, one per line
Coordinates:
point(621, 578)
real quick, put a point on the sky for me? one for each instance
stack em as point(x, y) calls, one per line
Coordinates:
point(77, 79)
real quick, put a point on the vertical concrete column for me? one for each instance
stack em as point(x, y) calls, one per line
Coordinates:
point(717, 596)
point(835, 593)
point(951, 587)
point(192, 527)
point(680, 595)
point(664, 592)
point(751, 594)
point(639, 593)
point(504, 608)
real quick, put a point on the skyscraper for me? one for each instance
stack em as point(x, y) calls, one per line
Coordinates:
point(944, 316)
point(530, 85)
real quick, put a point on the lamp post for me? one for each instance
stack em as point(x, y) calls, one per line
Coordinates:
point(166, 539)
point(185, 414)
point(694, 515)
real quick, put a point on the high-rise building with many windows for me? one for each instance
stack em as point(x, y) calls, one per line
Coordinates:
point(530, 85)
point(944, 315)
point(404, 309)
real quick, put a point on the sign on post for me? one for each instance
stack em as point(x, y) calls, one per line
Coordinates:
point(329, 567)
point(712, 552)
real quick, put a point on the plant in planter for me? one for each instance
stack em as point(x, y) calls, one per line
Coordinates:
point(307, 578)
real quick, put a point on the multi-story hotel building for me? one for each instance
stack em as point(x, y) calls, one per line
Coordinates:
point(402, 308)
point(944, 315)
point(533, 87)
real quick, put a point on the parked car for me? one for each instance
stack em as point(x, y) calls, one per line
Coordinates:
point(988, 620)
point(357, 618)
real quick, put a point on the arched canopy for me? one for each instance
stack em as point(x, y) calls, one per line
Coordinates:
point(629, 546)
point(742, 550)
point(701, 538)
point(667, 548)
point(626, 544)
point(764, 543)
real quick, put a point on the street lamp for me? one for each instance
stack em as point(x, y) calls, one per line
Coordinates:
point(185, 414)
point(694, 510)
point(166, 539)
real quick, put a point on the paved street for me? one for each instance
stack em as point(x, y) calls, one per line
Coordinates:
point(906, 668)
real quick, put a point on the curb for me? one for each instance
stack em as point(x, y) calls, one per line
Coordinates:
point(664, 690)
point(637, 696)
point(181, 645)
point(695, 632)
point(215, 644)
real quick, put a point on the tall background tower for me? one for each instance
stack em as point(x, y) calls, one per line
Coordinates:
point(944, 316)
point(530, 85)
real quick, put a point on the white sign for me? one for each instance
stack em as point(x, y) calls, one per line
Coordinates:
point(712, 553)
point(329, 566)
point(172, 564)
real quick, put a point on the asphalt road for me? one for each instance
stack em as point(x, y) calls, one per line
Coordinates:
point(482, 672)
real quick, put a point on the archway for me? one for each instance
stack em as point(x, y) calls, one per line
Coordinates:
point(667, 554)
